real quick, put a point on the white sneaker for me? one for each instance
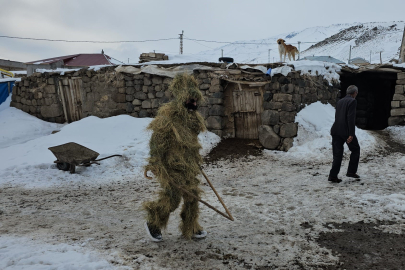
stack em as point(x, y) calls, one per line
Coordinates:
point(154, 233)
point(200, 234)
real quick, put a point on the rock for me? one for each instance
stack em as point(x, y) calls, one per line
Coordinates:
point(287, 117)
point(392, 121)
point(276, 129)
point(204, 86)
point(398, 97)
point(288, 106)
point(146, 81)
point(146, 104)
point(282, 97)
point(204, 111)
point(50, 89)
point(287, 144)
point(217, 110)
point(140, 95)
point(288, 130)
point(130, 107)
point(118, 97)
point(401, 76)
point(214, 122)
point(136, 102)
point(398, 112)
point(143, 113)
point(399, 89)
point(157, 80)
point(218, 95)
point(213, 101)
point(268, 138)
point(53, 110)
point(395, 104)
point(215, 88)
point(270, 118)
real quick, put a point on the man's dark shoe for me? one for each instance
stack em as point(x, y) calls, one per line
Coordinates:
point(334, 179)
point(153, 232)
point(353, 175)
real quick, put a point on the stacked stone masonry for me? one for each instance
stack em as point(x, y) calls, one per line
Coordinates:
point(106, 93)
point(398, 102)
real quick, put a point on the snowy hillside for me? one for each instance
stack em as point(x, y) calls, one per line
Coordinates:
point(333, 40)
point(365, 39)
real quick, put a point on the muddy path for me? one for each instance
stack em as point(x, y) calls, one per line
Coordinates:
point(282, 208)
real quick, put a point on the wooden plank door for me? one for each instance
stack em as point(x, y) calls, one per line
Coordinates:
point(247, 109)
point(71, 97)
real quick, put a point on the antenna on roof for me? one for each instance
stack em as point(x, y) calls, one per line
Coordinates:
point(102, 51)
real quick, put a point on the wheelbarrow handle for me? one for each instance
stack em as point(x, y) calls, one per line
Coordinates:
point(108, 157)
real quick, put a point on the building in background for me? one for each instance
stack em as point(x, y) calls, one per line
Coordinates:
point(329, 59)
point(73, 61)
point(359, 61)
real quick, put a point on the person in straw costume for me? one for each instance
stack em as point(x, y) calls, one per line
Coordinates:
point(175, 160)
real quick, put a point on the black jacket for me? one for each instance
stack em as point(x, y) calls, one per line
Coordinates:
point(345, 117)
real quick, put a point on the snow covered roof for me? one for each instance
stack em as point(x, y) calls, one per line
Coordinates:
point(329, 59)
point(358, 60)
point(81, 60)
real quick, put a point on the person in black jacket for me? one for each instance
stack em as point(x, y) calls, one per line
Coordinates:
point(343, 131)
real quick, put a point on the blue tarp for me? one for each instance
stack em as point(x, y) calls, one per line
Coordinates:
point(4, 90)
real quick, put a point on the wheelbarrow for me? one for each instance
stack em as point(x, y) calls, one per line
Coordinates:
point(70, 155)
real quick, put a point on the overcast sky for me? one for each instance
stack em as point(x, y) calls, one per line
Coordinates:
point(219, 20)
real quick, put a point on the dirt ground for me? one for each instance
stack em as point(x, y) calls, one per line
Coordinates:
point(287, 216)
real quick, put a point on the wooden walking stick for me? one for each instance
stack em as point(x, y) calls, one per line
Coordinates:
point(230, 217)
point(227, 215)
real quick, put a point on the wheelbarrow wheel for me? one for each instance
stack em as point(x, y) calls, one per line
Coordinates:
point(63, 166)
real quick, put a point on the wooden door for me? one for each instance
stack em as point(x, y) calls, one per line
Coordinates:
point(71, 97)
point(247, 109)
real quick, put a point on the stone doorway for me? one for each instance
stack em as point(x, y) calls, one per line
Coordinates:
point(376, 91)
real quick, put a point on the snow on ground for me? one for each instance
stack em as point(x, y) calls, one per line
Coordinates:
point(397, 132)
point(314, 140)
point(87, 217)
point(30, 163)
point(21, 253)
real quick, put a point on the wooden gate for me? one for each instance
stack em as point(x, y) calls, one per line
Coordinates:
point(70, 93)
point(247, 109)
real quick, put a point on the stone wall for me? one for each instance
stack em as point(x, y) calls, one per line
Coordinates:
point(398, 102)
point(283, 98)
point(106, 93)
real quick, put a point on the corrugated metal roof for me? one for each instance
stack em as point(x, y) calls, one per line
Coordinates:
point(323, 59)
point(84, 60)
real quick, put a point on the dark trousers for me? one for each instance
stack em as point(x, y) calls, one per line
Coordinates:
point(337, 147)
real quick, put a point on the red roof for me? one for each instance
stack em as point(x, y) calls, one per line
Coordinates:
point(79, 60)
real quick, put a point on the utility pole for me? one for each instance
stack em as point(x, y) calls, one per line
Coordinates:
point(380, 57)
point(402, 49)
point(350, 54)
point(222, 52)
point(181, 41)
point(269, 55)
point(370, 57)
point(299, 49)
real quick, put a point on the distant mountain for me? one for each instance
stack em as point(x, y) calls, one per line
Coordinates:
point(333, 40)
point(367, 39)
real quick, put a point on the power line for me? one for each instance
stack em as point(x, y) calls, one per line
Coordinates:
point(87, 41)
point(236, 43)
point(199, 43)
